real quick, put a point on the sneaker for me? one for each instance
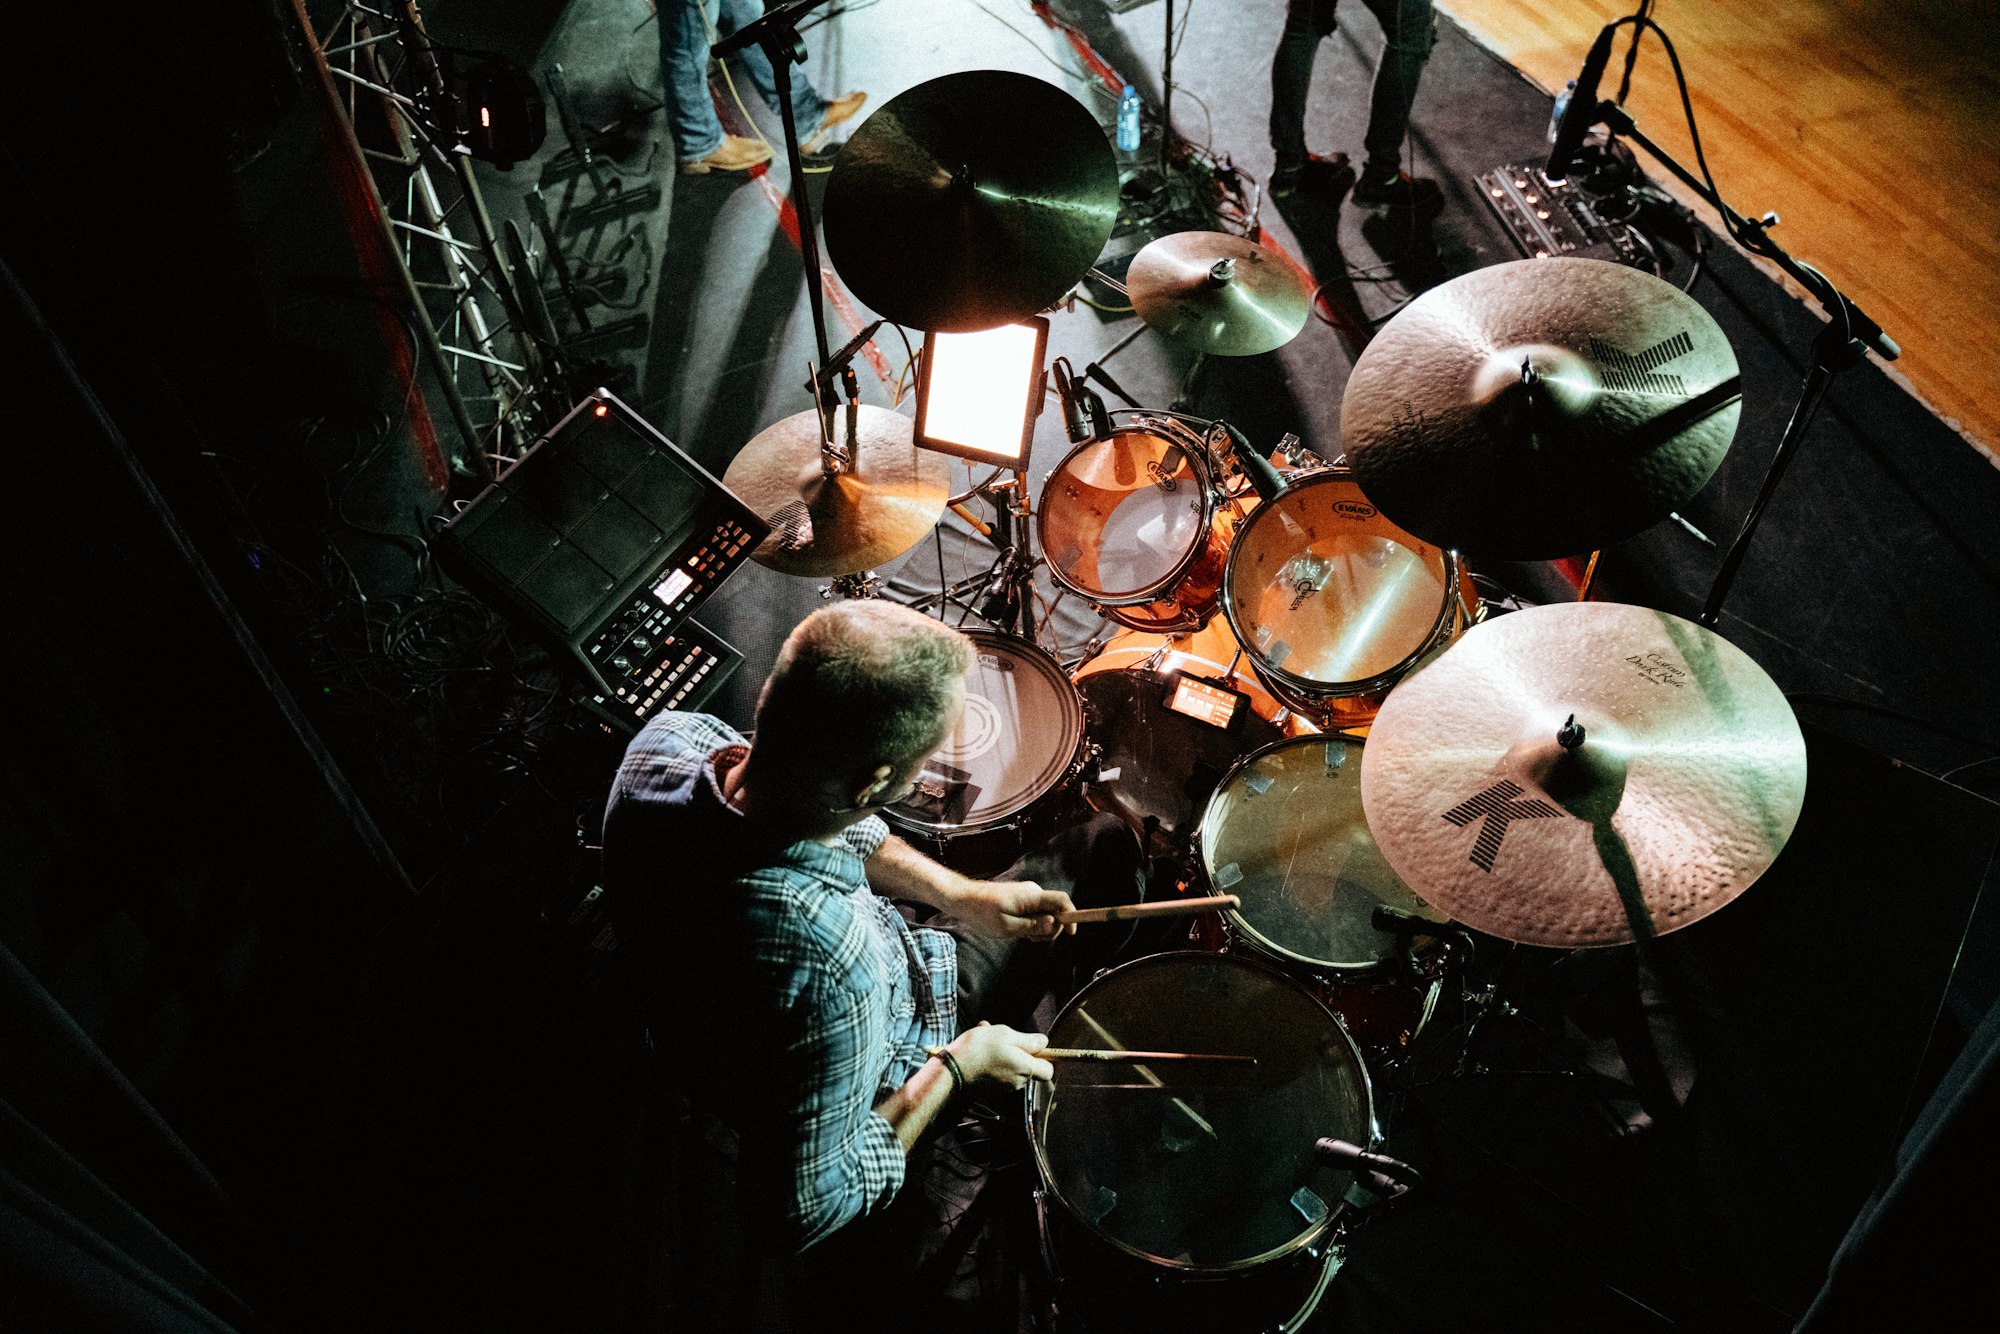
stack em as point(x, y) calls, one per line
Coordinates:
point(1321, 175)
point(839, 109)
point(736, 154)
point(1400, 190)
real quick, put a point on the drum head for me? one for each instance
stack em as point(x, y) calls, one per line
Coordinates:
point(1022, 728)
point(1286, 834)
point(1212, 1168)
point(1323, 589)
point(1121, 517)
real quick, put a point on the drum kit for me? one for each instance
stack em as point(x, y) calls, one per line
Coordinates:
point(1306, 705)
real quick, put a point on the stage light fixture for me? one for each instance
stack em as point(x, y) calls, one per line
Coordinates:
point(978, 394)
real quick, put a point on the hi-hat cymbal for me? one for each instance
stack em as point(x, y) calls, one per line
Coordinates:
point(1542, 408)
point(885, 502)
point(1678, 785)
point(1219, 293)
point(972, 200)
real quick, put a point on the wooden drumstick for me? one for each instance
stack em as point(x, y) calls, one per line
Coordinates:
point(1104, 1036)
point(1101, 1054)
point(1124, 912)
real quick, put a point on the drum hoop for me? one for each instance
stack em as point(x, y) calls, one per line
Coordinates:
point(1151, 592)
point(1307, 686)
point(1073, 745)
point(1239, 923)
point(1335, 1208)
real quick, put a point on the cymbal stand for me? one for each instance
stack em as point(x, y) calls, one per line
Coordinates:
point(777, 32)
point(1849, 335)
point(1190, 381)
point(1003, 594)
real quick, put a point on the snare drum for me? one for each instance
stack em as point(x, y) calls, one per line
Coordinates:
point(1333, 603)
point(1186, 1195)
point(1170, 716)
point(1285, 833)
point(1129, 522)
point(1017, 751)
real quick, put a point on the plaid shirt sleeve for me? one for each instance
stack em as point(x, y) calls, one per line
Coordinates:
point(842, 1159)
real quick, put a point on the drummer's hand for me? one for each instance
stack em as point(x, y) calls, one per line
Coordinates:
point(1018, 908)
point(995, 1051)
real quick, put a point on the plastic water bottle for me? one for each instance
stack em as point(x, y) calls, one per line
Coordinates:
point(1128, 120)
point(1562, 105)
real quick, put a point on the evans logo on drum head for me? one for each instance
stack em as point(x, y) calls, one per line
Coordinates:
point(994, 662)
point(1353, 509)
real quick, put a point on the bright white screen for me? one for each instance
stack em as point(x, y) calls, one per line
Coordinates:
point(982, 388)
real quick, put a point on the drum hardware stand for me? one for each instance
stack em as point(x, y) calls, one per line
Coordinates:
point(1845, 341)
point(1183, 400)
point(1004, 594)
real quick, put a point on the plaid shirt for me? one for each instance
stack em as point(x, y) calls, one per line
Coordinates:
point(813, 994)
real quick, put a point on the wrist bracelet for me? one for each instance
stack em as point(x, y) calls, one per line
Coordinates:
point(952, 1068)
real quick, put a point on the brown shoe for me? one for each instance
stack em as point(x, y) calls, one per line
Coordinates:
point(839, 109)
point(736, 154)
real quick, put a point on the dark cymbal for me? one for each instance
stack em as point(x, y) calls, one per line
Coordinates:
point(972, 200)
point(1678, 786)
point(1219, 293)
point(884, 503)
point(1542, 408)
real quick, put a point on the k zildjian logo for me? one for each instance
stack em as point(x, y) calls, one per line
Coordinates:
point(1640, 373)
point(1497, 808)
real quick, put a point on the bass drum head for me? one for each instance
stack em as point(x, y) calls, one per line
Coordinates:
point(1323, 589)
point(1197, 1166)
point(1021, 732)
point(1286, 834)
point(1121, 517)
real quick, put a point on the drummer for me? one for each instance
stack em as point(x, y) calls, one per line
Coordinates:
point(752, 882)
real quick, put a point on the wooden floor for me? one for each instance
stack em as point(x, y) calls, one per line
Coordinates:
point(1872, 127)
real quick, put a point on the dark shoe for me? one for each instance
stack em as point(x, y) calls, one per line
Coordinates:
point(1401, 190)
point(1321, 175)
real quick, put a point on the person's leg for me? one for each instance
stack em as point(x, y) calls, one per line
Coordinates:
point(691, 117)
point(1409, 29)
point(1306, 23)
point(807, 105)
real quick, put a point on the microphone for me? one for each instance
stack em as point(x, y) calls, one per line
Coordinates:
point(1100, 420)
point(1396, 922)
point(1264, 478)
point(1066, 391)
point(1353, 1157)
point(774, 22)
point(1581, 113)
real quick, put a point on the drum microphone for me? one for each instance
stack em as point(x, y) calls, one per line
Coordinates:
point(1100, 420)
point(1581, 113)
point(1264, 478)
point(1396, 922)
point(1059, 371)
point(1375, 1173)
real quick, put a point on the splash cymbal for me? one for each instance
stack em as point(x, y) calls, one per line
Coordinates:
point(971, 200)
point(885, 502)
point(1219, 293)
point(1584, 773)
point(1541, 408)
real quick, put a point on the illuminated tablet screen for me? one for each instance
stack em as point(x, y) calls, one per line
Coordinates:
point(1204, 701)
point(979, 393)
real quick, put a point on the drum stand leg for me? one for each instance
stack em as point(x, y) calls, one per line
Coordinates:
point(1004, 595)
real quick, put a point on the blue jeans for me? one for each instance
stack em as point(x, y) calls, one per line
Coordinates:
point(691, 117)
point(1409, 29)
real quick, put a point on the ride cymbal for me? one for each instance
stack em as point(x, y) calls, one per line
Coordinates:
point(884, 502)
point(970, 201)
point(1584, 773)
point(1541, 408)
point(1219, 293)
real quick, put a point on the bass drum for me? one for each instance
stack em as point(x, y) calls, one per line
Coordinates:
point(1157, 764)
point(1009, 767)
point(1185, 1195)
point(1333, 603)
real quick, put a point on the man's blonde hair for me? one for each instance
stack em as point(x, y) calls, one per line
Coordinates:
point(862, 684)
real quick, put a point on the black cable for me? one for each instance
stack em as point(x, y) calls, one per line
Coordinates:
point(1639, 16)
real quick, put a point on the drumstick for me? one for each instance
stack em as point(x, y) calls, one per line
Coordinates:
point(1104, 1036)
point(1163, 908)
point(1099, 1054)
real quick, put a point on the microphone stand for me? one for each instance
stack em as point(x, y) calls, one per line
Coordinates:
point(1847, 338)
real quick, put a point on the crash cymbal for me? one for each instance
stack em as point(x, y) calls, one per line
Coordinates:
point(1219, 293)
point(1542, 408)
point(884, 504)
point(972, 200)
point(1675, 786)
